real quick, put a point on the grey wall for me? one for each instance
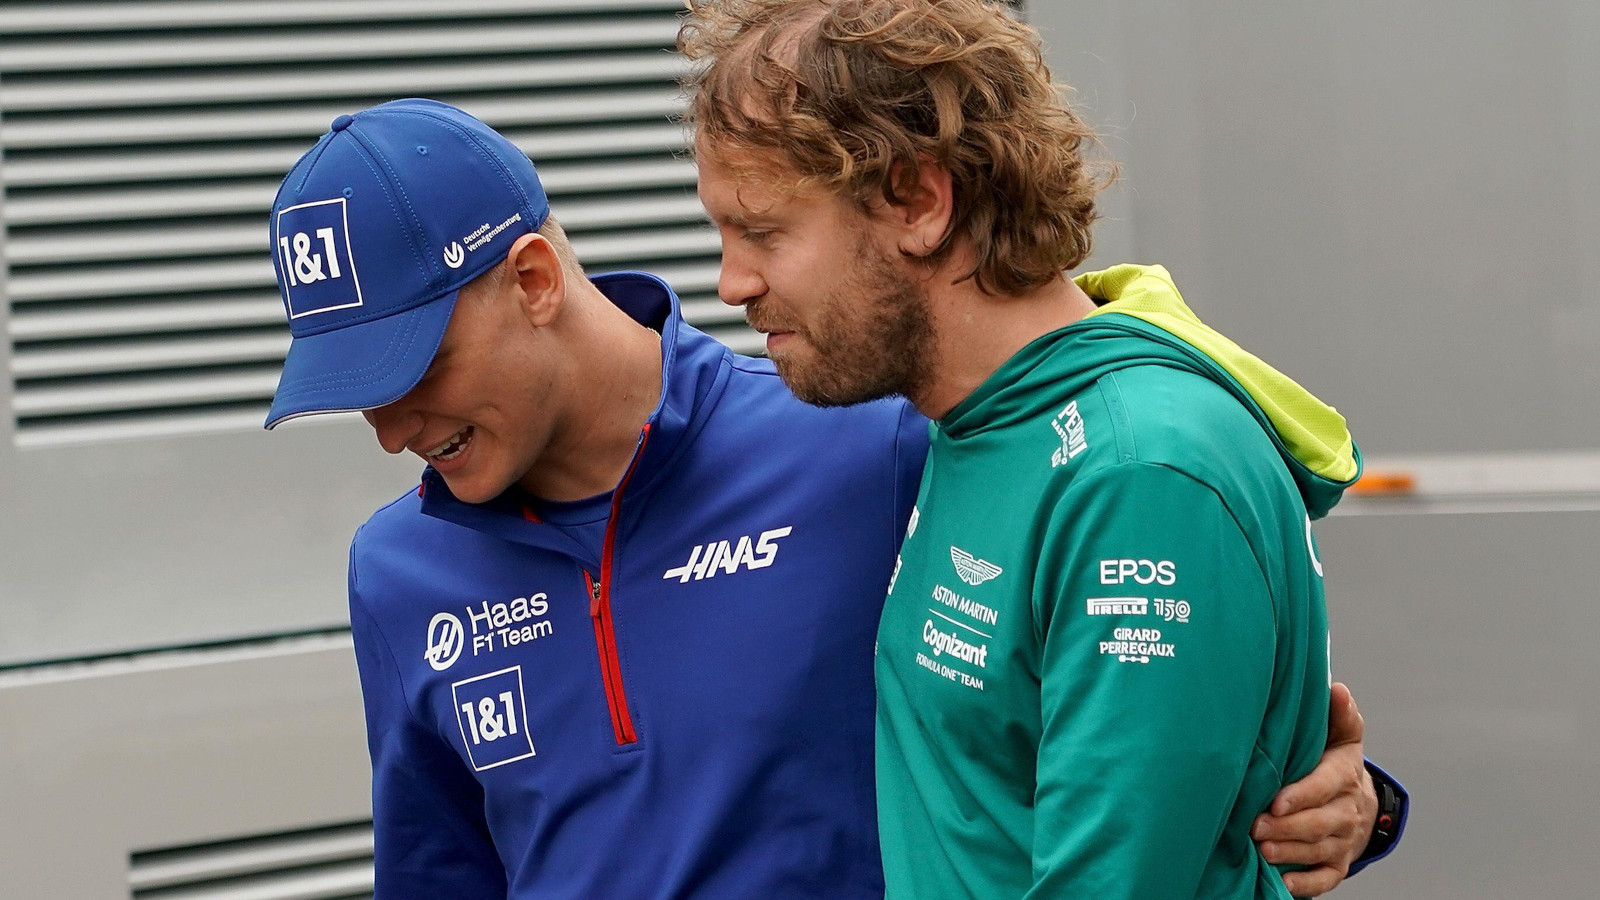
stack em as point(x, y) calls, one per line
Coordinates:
point(1397, 203)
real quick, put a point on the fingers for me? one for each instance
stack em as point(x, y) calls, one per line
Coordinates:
point(1345, 725)
point(1331, 851)
point(1340, 771)
point(1307, 826)
point(1313, 882)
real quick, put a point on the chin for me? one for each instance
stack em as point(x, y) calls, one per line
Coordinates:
point(472, 490)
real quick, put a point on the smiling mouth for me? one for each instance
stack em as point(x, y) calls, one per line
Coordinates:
point(451, 448)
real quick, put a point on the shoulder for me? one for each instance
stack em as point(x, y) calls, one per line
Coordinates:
point(397, 543)
point(757, 403)
point(1175, 419)
point(391, 522)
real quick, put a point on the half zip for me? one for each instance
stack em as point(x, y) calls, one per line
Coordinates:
point(605, 636)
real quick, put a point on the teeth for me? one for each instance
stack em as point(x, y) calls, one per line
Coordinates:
point(439, 451)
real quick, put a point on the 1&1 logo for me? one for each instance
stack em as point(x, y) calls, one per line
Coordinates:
point(316, 268)
point(493, 717)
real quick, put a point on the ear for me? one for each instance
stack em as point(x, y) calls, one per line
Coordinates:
point(541, 279)
point(921, 211)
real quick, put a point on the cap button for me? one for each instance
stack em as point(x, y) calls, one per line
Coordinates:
point(342, 123)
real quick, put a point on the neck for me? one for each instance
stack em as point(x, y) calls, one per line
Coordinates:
point(616, 383)
point(975, 333)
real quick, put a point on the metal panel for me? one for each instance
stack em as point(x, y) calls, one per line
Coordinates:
point(1387, 200)
point(177, 750)
point(1467, 641)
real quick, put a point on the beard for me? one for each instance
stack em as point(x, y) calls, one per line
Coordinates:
point(870, 338)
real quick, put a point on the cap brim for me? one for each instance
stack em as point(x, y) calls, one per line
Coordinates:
point(360, 366)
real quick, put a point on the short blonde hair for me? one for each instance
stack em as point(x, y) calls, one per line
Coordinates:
point(488, 284)
point(854, 94)
point(552, 231)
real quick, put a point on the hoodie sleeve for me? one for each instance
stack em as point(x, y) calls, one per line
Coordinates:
point(427, 811)
point(1149, 724)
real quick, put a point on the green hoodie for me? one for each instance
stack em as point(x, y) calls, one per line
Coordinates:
point(1104, 647)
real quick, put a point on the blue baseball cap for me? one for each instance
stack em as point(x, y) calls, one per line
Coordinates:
point(374, 232)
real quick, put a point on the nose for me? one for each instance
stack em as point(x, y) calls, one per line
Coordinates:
point(395, 425)
point(738, 282)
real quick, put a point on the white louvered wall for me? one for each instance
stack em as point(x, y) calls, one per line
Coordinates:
point(143, 142)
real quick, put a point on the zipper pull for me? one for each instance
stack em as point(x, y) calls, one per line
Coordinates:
point(594, 595)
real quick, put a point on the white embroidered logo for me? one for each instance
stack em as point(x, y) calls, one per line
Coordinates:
point(445, 640)
point(706, 560)
point(1069, 427)
point(972, 570)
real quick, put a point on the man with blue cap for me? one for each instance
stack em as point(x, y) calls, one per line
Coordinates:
point(619, 641)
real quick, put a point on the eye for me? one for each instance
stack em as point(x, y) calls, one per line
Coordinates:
point(759, 238)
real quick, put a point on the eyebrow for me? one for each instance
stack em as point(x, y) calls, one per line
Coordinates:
point(736, 219)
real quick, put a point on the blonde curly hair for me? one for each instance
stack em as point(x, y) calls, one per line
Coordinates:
point(853, 95)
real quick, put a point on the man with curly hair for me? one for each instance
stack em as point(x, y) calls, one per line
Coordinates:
point(618, 643)
point(1104, 651)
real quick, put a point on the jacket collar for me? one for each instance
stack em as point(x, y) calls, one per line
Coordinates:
point(692, 376)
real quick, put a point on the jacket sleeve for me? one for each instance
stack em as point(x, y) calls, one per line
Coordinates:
point(910, 453)
point(1147, 738)
point(1391, 824)
point(427, 811)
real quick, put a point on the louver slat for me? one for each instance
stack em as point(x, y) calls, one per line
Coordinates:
point(134, 280)
point(203, 199)
point(343, 881)
point(250, 857)
point(430, 80)
point(145, 354)
point(148, 392)
point(62, 17)
point(54, 323)
point(143, 143)
point(80, 55)
point(308, 121)
point(109, 167)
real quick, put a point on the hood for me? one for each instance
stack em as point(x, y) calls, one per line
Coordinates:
point(1142, 320)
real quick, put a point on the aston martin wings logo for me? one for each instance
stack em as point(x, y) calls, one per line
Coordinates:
point(973, 571)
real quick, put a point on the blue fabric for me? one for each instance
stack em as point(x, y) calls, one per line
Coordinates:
point(1375, 853)
point(496, 768)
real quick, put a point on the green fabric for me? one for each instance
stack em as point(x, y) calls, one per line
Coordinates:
point(1105, 645)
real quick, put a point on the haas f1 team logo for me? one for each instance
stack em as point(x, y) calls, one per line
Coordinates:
point(972, 570)
point(445, 640)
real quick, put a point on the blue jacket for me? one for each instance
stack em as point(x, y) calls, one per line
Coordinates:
point(666, 692)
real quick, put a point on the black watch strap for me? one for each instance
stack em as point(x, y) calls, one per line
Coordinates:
point(1386, 826)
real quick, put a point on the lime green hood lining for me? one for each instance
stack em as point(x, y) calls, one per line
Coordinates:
point(1313, 432)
